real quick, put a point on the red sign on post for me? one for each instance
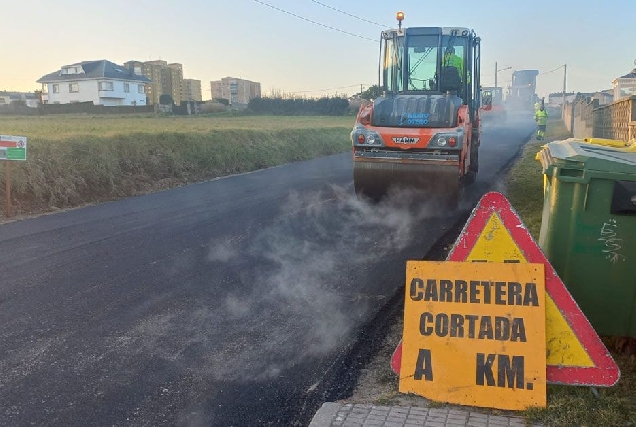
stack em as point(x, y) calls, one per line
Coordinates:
point(12, 148)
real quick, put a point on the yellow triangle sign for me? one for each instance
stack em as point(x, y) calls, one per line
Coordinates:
point(495, 244)
point(575, 355)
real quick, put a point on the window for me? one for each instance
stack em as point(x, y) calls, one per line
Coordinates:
point(127, 87)
point(56, 88)
point(140, 89)
point(2, 101)
point(422, 62)
point(73, 87)
point(106, 86)
point(393, 51)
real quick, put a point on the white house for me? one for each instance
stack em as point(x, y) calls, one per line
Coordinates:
point(29, 99)
point(102, 82)
point(556, 98)
point(604, 97)
point(625, 86)
point(5, 98)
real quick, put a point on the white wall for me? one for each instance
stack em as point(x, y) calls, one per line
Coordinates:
point(118, 97)
point(89, 91)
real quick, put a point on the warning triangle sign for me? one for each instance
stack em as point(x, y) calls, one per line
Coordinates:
point(575, 355)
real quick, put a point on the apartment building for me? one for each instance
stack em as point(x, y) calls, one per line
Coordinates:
point(191, 90)
point(172, 81)
point(237, 91)
point(167, 79)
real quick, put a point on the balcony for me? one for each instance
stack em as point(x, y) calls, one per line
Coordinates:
point(111, 94)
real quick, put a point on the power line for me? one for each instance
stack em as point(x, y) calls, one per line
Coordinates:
point(314, 22)
point(348, 14)
point(552, 71)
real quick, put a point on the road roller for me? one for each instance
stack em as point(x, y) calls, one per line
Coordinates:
point(423, 129)
point(492, 105)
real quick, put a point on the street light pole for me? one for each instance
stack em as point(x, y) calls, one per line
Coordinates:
point(495, 75)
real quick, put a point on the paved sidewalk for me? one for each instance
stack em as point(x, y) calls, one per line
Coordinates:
point(350, 415)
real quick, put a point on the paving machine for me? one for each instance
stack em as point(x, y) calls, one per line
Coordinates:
point(492, 104)
point(521, 94)
point(423, 131)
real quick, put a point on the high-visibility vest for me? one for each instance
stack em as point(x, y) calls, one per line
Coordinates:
point(541, 116)
point(452, 60)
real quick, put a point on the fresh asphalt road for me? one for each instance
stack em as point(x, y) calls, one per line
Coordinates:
point(221, 303)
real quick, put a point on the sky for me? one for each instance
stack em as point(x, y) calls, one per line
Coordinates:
point(247, 39)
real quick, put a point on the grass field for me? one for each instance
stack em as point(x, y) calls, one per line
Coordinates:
point(570, 406)
point(76, 160)
point(60, 127)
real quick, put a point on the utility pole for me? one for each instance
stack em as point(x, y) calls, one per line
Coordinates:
point(495, 75)
point(360, 90)
point(565, 73)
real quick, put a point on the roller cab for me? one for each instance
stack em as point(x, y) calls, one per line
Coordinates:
point(423, 130)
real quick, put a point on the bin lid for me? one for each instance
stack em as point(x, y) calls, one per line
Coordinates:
point(580, 155)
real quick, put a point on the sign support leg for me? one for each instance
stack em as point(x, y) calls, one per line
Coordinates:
point(8, 183)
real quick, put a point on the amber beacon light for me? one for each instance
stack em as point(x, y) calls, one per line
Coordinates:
point(400, 18)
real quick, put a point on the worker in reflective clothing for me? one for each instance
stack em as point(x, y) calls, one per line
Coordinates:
point(541, 117)
point(452, 60)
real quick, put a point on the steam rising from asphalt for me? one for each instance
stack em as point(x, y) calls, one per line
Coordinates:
point(290, 290)
point(306, 283)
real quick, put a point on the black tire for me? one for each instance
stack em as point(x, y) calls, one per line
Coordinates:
point(471, 176)
point(474, 158)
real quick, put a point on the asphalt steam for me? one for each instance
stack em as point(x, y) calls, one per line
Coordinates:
point(296, 281)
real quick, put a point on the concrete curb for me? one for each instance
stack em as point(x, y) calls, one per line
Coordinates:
point(362, 415)
point(325, 414)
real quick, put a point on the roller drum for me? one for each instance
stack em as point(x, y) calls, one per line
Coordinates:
point(377, 179)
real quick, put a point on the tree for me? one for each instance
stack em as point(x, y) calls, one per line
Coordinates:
point(371, 93)
point(166, 100)
point(223, 101)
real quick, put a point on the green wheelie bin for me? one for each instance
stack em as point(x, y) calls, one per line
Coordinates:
point(588, 228)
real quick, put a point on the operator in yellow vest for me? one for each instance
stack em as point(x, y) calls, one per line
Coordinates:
point(541, 117)
point(452, 60)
